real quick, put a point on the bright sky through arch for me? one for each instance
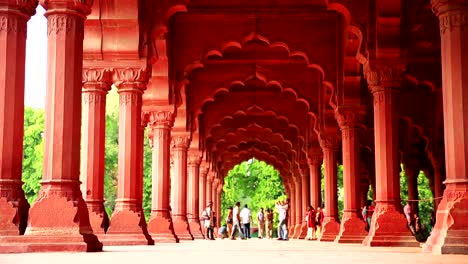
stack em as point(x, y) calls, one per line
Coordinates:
point(36, 60)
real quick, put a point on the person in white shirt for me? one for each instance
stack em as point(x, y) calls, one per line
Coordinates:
point(207, 216)
point(246, 217)
point(282, 208)
point(236, 222)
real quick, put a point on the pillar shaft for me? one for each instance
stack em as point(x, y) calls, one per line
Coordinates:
point(388, 227)
point(13, 205)
point(352, 228)
point(330, 225)
point(128, 225)
point(60, 192)
point(160, 224)
point(450, 233)
point(305, 194)
point(413, 195)
point(193, 192)
point(202, 187)
point(315, 163)
point(298, 208)
point(180, 144)
point(96, 85)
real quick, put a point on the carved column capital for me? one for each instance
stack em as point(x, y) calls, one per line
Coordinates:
point(315, 156)
point(452, 14)
point(130, 78)
point(383, 77)
point(81, 6)
point(26, 7)
point(331, 142)
point(349, 116)
point(164, 119)
point(194, 158)
point(180, 141)
point(96, 79)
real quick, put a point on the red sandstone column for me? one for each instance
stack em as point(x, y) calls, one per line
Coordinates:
point(13, 206)
point(219, 191)
point(160, 225)
point(315, 158)
point(209, 188)
point(439, 177)
point(305, 197)
point(298, 207)
point(450, 232)
point(180, 144)
point(330, 226)
point(128, 225)
point(60, 194)
point(193, 198)
point(202, 187)
point(96, 84)
point(292, 209)
point(352, 226)
point(413, 195)
point(388, 227)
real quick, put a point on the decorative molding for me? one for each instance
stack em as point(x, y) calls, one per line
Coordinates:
point(60, 25)
point(180, 141)
point(128, 98)
point(11, 23)
point(96, 75)
point(450, 21)
point(162, 119)
point(93, 98)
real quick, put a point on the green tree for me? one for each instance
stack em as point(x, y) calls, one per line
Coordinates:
point(252, 182)
point(33, 152)
point(340, 189)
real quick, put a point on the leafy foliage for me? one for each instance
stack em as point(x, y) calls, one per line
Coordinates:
point(33, 152)
point(252, 182)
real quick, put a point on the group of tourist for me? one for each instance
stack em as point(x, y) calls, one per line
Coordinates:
point(238, 222)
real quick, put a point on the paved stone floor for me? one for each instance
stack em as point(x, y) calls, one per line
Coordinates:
point(239, 252)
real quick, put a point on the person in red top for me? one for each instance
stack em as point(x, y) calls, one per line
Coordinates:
point(310, 220)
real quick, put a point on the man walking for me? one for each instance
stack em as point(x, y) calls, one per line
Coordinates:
point(246, 217)
point(236, 222)
point(282, 208)
point(261, 223)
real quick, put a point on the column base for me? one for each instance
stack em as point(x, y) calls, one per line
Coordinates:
point(389, 229)
point(58, 221)
point(330, 229)
point(98, 219)
point(161, 228)
point(182, 228)
point(296, 231)
point(303, 231)
point(13, 219)
point(127, 227)
point(450, 233)
point(353, 230)
point(195, 229)
point(50, 243)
